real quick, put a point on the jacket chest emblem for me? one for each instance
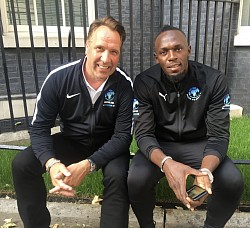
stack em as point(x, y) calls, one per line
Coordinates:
point(109, 98)
point(226, 101)
point(193, 94)
point(135, 107)
point(163, 95)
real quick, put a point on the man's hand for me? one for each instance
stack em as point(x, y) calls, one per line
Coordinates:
point(72, 176)
point(58, 180)
point(203, 182)
point(196, 203)
point(209, 162)
point(176, 174)
point(78, 172)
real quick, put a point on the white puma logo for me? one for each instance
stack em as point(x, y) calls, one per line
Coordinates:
point(164, 96)
point(73, 95)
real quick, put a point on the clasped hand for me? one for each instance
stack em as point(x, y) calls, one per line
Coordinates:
point(65, 179)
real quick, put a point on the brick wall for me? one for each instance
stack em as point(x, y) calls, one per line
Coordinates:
point(135, 57)
point(27, 68)
point(239, 77)
point(239, 71)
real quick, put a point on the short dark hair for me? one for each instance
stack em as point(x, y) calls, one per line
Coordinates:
point(111, 23)
point(169, 28)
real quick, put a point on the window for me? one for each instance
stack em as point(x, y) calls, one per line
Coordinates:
point(36, 14)
point(245, 19)
point(242, 38)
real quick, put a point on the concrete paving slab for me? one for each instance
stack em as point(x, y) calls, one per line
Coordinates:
point(68, 215)
point(75, 215)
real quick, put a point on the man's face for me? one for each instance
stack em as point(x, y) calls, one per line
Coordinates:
point(172, 52)
point(103, 52)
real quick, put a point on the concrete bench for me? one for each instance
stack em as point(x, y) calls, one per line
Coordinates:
point(11, 147)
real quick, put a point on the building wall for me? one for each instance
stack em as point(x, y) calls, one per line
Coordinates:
point(239, 77)
point(238, 74)
point(135, 56)
point(27, 69)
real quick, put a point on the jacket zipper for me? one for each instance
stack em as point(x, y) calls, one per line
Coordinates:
point(92, 124)
point(179, 114)
point(178, 110)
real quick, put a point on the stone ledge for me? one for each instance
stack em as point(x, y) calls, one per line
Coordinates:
point(87, 215)
point(235, 110)
point(20, 135)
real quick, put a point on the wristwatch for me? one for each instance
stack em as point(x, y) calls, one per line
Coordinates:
point(92, 165)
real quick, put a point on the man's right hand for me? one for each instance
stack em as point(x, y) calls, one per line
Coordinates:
point(176, 174)
point(60, 187)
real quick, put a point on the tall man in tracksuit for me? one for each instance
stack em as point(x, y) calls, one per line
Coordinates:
point(182, 128)
point(93, 99)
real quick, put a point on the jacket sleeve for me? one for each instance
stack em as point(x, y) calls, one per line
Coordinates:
point(121, 139)
point(144, 118)
point(217, 119)
point(44, 117)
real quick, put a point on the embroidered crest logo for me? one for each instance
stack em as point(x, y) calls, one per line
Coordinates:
point(227, 102)
point(193, 94)
point(135, 107)
point(108, 98)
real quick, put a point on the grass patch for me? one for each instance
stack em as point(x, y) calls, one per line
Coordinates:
point(239, 149)
point(92, 184)
point(239, 138)
point(6, 183)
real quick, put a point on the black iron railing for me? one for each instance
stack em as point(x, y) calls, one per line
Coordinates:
point(207, 24)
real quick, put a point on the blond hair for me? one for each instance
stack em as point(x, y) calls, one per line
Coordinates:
point(109, 22)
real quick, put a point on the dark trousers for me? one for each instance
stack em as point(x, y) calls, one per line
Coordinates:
point(31, 191)
point(143, 176)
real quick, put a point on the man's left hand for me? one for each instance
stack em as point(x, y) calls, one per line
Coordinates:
point(203, 182)
point(77, 173)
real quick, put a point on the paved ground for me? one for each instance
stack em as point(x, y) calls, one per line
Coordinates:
point(74, 215)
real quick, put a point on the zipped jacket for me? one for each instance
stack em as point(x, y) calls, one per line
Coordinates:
point(104, 128)
point(195, 108)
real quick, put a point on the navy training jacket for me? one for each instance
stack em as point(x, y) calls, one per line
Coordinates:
point(195, 108)
point(105, 126)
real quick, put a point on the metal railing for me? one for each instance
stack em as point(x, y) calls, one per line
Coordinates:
point(207, 24)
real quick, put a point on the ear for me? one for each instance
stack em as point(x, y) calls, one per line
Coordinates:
point(156, 58)
point(86, 47)
point(189, 50)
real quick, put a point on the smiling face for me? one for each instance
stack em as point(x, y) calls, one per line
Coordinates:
point(172, 52)
point(103, 51)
